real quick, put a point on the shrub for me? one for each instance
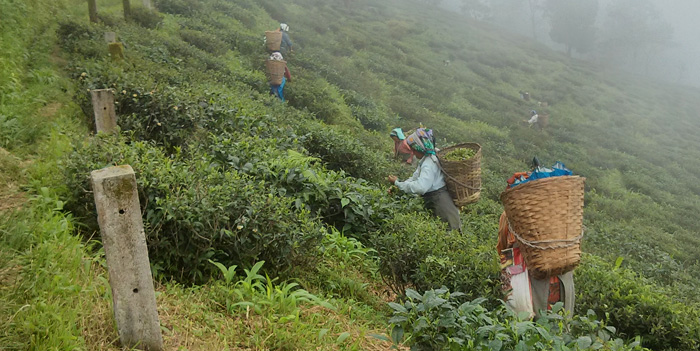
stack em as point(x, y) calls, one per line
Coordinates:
point(371, 114)
point(339, 150)
point(635, 306)
point(321, 98)
point(204, 41)
point(194, 211)
point(351, 205)
point(415, 250)
point(146, 18)
point(438, 320)
point(180, 7)
point(82, 39)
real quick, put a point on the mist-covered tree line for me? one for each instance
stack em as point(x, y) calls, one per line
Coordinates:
point(630, 34)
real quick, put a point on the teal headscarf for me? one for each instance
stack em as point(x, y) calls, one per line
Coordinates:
point(397, 132)
point(422, 141)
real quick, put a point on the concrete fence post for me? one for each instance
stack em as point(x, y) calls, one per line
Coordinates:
point(110, 37)
point(121, 227)
point(92, 11)
point(103, 106)
point(147, 4)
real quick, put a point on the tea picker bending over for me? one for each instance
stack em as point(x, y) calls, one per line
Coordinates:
point(428, 179)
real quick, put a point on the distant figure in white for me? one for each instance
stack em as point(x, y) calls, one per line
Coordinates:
point(533, 118)
point(446, 62)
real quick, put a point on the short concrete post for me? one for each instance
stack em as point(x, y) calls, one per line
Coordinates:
point(116, 50)
point(147, 4)
point(121, 226)
point(110, 37)
point(103, 106)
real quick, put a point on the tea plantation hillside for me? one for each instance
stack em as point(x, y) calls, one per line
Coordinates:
point(269, 225)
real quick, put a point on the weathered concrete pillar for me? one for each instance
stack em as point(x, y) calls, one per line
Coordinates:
point(110, 37)
point(116, 50)
point(121, 227)
point(147, 4)
point(103, 106)
point(127, 9)
point(92, 10)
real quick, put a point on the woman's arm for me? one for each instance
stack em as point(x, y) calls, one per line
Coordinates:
point(422, 179)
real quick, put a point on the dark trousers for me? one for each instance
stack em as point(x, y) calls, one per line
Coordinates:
point(440, 204)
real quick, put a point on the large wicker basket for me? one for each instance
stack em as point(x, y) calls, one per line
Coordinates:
point(546, 217)
point(275, 71)
point(463, 178)
point(543, 119)
point(273, 39)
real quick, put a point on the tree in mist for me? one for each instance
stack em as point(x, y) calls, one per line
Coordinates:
point(573, 23)
point(634, 28)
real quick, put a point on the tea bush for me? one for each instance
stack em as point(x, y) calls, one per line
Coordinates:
point(146, 18)
point(340, 150)
point(195, 211)
point(351, 205)
point(416, 250)
point(635, 306)
point(203, 41)
point(180, 7)
point(372, 115)
point(84, 40)
point(440, 320)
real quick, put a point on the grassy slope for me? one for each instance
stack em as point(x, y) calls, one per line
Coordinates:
point(605, 144)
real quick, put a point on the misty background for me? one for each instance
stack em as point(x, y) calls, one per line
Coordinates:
point(655, 39)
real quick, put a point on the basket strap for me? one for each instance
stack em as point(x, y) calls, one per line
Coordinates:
point(453, 178)
point(558, 244)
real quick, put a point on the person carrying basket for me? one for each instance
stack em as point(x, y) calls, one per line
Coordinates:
point(428, 180)
point(277, 87)
point(539, 237)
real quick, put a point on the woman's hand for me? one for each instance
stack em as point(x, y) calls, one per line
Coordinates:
point(392, 179)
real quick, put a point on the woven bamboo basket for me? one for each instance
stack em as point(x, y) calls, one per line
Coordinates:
point(463, 177)
point(546, 217)
point(273, 39)
point(275, 71)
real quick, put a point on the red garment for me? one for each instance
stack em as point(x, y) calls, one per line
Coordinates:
point(515, 176)
point(287, 74)
point(506, 240)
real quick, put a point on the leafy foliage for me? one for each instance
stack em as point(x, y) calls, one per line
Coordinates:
point(416, 252)
point(195, 211)
point(439, 320)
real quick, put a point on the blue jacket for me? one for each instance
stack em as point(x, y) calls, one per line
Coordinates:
point(286, 42)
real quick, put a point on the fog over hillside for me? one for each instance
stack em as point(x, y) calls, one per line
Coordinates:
point(676, 60)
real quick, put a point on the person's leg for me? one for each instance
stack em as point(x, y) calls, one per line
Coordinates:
point(569, 298)
point(446, 210)
point(540, 294)
point(280, 91)
point(274, 90)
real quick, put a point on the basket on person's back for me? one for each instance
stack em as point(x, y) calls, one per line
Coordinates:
point(275, 71)
point(546, 217)
point(462, 167)
point(273, 40)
